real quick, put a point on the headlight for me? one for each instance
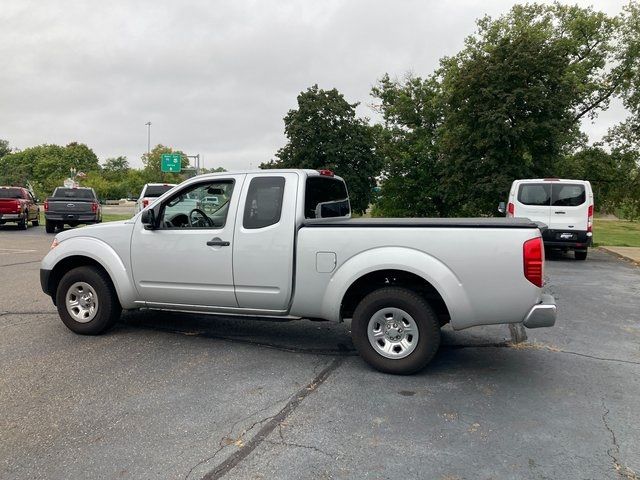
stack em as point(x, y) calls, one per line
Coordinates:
point(54, 244)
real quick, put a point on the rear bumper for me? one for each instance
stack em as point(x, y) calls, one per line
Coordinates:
point(72, 217)
point(11, 217)
point(576, 239)
point(543, 314)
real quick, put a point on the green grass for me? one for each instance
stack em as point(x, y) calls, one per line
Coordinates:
point(113, 217)
point(616, 233)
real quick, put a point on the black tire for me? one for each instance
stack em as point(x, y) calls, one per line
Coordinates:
point(49, 226)
point(22, 224)
point(108, 309)
point(36, 222)
point(421, 312)
point(580, 254)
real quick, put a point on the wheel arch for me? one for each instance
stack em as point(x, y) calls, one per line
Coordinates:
point(402, 266)
point(89, 251)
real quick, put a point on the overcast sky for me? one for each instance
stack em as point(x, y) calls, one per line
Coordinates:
point(214, 78)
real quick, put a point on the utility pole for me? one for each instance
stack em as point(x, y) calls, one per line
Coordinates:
point(148, 124)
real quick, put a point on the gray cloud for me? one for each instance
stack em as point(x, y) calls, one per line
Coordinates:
point(214, 78)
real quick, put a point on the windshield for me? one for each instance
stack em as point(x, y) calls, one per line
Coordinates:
point(157, 190)
point(10, 193)
point(86, 193)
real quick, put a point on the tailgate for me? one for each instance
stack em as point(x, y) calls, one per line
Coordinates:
point(74, 206)
point(9, 205)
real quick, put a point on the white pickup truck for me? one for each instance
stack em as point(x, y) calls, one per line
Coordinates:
point(281, 243)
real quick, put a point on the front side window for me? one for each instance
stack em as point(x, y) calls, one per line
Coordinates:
point(263, 206)
point(535, 194)
point(326, 197)
point(568, 195)
point(189, 208)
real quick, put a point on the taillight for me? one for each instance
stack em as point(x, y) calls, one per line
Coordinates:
point(511, 210)
point(94, 207)
point(590, 219)
point(17, 205)
point(533, 260)
point(145, 203)
point(46, 205)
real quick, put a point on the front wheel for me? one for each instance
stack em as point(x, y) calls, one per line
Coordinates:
point(86, 300)
point(395, 330)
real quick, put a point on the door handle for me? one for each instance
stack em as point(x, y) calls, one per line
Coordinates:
point(216, 242)
point(561, 212)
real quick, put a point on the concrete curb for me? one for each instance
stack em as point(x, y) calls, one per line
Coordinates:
point(613, 251)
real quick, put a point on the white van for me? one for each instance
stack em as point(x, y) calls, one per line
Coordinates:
point(565, 206)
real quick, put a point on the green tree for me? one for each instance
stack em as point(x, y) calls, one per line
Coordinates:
point(408, 144)
point(4, 147)
point(46, 166)
point(324, 133)
point(116, 168)
point(152, 165)
point(508, 106)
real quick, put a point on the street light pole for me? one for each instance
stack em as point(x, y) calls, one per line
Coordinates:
point(148, 124)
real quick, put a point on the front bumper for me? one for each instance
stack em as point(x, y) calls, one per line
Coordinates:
point(44, 281)
point(543, 314)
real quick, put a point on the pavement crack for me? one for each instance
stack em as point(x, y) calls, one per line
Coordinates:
point(228, 439)
point(273, 422)
point(614, 451)
point(299, 445)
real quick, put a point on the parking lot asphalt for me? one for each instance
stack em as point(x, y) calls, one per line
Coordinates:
point(166, 395)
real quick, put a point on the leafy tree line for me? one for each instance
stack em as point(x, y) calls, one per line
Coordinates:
point(45, 167)
point(509, 105)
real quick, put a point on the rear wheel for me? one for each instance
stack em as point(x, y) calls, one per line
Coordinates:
point(22, 224)
point(36, 222)
point(395, 330)
point(49, 226)
point(86, 300)
point(580, 254)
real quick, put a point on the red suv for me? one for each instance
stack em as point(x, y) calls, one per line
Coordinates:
point(18, 205)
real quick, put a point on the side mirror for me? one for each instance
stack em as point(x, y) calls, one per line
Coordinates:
point(148, 219)
point(502, 208)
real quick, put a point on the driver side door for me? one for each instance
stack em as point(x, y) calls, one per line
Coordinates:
point(186, 262)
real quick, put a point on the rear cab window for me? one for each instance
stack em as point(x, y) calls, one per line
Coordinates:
point(11, 193)
point(154, 191)
point(326, 197)
point(84, 193)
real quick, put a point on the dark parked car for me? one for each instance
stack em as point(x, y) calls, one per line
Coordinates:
point(18, 205)
point(71, 206)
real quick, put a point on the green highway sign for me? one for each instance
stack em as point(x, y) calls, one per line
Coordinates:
point(171, 162)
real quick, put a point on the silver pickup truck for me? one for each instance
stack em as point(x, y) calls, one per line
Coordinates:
point(281, 243)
